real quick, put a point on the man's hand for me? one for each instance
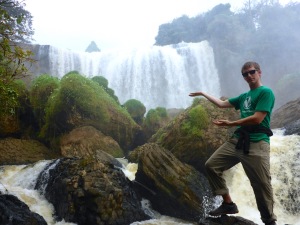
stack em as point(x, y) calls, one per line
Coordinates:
point(223, 123)
point(195, 94)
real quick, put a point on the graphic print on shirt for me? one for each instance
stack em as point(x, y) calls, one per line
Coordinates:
point(247, 103)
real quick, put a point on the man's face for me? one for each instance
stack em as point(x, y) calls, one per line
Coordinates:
point(251, 75)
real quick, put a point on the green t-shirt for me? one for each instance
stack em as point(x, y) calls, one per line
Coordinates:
point(260, 99)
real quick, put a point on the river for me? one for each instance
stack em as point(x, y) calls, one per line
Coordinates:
point(285, 168)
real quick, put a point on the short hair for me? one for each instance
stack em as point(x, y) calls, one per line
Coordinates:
point(250, 64)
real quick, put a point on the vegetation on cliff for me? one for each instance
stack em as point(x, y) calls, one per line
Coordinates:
point(262, 30)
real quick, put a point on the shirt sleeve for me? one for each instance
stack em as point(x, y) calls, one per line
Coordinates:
point(266, 101)
point(235, 101)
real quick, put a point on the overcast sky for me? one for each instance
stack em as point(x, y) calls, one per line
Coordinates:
point(73, 24)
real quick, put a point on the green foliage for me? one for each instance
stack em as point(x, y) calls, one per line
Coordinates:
point(162, 112)
point(259, 31)
point(8, 98)
point(76, 93)
point(42, 88)
point(15, 27)
point(15, 110)
point(80, 98)
point(16, 22)
point(155, 119)
point(103, 82)
point(151, 122)
point(136, 109)
point(198, 120)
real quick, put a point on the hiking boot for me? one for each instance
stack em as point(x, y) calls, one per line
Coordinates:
point(225, 208)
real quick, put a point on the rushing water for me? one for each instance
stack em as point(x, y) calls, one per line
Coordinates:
point(156, 76)
point(285, 168)
point(20, 181)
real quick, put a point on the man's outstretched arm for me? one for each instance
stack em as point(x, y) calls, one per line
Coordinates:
point(218, 102)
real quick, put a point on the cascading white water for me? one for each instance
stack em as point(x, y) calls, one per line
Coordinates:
point(285, 169)
point(156, 76)
point(20, 181)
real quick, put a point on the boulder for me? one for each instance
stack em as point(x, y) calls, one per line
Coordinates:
point(173, 188)
point(15, 212)
point(76, 105)
point(286, 115)
point(195, 148)
point(19, 151)
point(89, 191)
point(293, 128)
point(85, 141)
point(226, 220)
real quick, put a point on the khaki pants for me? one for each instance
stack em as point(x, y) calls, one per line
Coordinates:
point(257, 167)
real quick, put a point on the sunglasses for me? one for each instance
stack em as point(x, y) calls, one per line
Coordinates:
point(249, 72)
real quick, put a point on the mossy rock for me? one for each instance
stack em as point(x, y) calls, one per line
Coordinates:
point(82, 102)
point(191, 136)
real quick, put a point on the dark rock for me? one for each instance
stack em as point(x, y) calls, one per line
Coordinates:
point(226, 220)
point(15, 212)
point(88, 191)
point(286, 115)
point(173, 188)
point(293, 128)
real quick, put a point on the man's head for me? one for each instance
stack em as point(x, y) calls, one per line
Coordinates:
point(250, 64)
point(252, 74)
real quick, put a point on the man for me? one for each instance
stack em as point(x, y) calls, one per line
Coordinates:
point(250, 145)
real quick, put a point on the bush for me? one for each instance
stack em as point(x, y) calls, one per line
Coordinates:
point(155, 119)
point(41, 89)
point(15, 112)
point(198, 120)
point(103, 82)
point(136, 109)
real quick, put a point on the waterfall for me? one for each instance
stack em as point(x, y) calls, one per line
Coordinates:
point(156, 76)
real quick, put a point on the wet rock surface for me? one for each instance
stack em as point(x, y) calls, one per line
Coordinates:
point(89, 191)
point(286, 115)
point(174, 188)
point(15, 212)
point(226, 220)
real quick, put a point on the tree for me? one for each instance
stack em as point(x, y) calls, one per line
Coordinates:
point(15, 28)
